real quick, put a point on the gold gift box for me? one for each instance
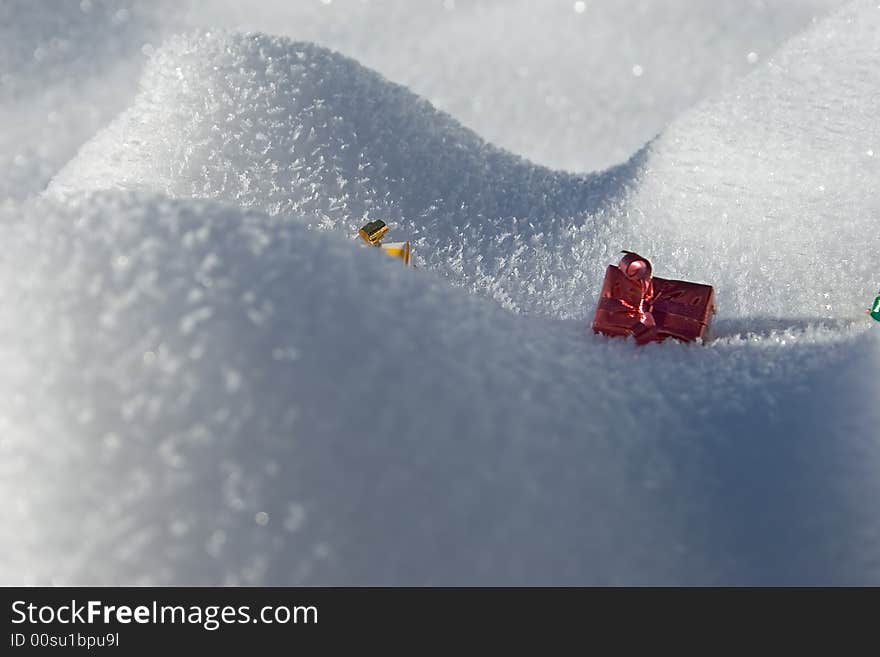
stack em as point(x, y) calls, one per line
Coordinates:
point(373, 232)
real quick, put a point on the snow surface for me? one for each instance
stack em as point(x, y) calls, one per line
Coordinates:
point(193, 339)
point(541, 79)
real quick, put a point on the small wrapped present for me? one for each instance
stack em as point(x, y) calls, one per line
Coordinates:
point(875, 309)
point(373, 232)
point(651, 309)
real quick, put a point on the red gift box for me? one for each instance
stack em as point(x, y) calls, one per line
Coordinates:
point(651, 309)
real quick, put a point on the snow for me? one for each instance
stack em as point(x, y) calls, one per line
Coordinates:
point(207, 380)
point(538, 78)
point(64, 74)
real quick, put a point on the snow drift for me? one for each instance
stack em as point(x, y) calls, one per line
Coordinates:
point(540, 79)
point(296, 130)
point(221, 392)
point(176, 369)
point(771, 180)
point(579, 86)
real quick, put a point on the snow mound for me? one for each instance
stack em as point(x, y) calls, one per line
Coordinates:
point(755, 191)
point(537, 78)
point(579, 86)
point(294, 129)
point(196, 395)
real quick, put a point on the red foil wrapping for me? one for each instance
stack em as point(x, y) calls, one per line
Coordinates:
point(634, 302)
